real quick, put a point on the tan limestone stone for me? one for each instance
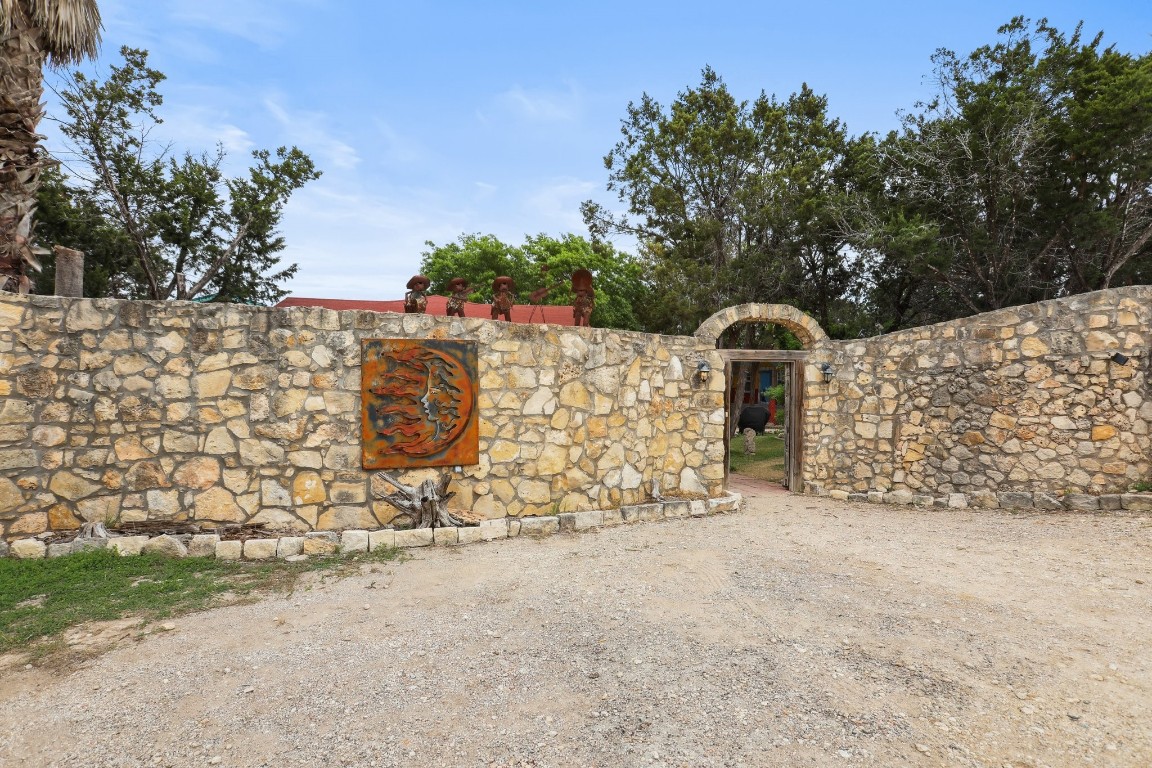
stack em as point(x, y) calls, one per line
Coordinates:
point(71, 486)
point(144, 475)
point(260, 453)
point(279, 520)
point(1033, 347)
point(345, 517)
point(971, 438)
point(200, 473)
point(503, 451)
point(219, 442)
point(348, 493)
point(30, 524)
point(28, 549)
point(212, 384)
point(164, 505)
point(1103, 432)
point(575, 395)
point(1002, 420)
point(260, 549)
point(10, 497)
point(229, 550)
point(1099, 341)
point(553, 460)
point(99, 509)
point(307, 488)
point(218, 505)
point(61, 517)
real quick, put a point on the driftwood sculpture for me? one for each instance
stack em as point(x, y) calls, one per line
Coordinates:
point(427, 504)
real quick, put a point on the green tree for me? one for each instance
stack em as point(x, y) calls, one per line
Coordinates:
point(733, 201)
point(543, 262)
point(192, 231)
point(32, 33)
point(1028, 176)
point(480, 259)
point(65, 214)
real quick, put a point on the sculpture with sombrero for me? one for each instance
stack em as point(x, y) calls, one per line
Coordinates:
point(415, 302)
point(585, 297)
point(459, 289)
point(503, 292)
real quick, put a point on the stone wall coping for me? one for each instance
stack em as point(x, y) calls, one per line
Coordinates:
point(296, 546)
point(1066, 502)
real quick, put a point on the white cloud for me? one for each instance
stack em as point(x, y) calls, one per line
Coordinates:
point(263, 22)
point(397, 148)
point(200, 128)
point(557, 204)
point(540, 105)
point(310, 132)
point(351, 244)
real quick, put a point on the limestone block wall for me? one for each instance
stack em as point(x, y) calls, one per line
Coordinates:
point(133, 411)
point(1023, 399)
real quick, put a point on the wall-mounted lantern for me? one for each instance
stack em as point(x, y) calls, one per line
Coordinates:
point(827, 372)
point(1120, 359)
point(703, 371)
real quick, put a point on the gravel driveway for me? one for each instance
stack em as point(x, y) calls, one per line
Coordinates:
point(800, 631)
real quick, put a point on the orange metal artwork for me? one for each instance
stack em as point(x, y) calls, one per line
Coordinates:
point(419, 403)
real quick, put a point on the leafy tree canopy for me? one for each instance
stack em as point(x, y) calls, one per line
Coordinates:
point(544, 262)
point(1027, 177)
point(162, 226)
point(734, 201)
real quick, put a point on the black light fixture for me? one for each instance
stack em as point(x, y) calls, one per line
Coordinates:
point(703, 371)
point(827, 371)
point(1120, 359)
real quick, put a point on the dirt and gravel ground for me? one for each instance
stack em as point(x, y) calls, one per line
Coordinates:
point(800, 631)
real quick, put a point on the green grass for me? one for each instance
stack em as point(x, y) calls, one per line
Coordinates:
point(40, 599)
point(766, 464)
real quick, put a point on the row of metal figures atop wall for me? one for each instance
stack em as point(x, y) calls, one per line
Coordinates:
point(503, 296)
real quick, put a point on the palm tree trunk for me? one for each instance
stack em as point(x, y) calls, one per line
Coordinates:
point(21, 159)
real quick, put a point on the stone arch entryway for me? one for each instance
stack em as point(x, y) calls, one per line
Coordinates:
point(810, 335)
point(807, 330)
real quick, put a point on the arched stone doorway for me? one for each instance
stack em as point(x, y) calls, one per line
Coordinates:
point(811, 336)
point(804, 326)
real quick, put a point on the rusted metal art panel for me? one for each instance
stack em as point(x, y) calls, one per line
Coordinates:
point(418, 403)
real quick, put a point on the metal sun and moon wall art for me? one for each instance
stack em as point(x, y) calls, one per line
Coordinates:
point(418, 403)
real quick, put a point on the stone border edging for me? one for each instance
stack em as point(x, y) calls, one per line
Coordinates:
point(296, 547)
point(1068, 502)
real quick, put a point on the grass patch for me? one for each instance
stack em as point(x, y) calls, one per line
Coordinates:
point(766, 464)
point(40, 599)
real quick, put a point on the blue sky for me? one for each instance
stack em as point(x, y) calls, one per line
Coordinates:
point(433, 119)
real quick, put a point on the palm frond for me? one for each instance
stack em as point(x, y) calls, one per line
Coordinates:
point(69, 29)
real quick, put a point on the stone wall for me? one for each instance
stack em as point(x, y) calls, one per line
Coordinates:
point(1023, 401)
point(134, 411)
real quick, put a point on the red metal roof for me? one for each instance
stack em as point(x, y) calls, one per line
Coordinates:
point(437, 305)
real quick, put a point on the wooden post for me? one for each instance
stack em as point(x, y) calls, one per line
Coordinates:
point(69, 271)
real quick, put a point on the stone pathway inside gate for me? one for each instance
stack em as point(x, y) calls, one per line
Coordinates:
point(800, 631)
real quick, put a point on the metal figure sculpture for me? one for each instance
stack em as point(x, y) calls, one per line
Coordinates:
point(460, 289)
point(585, 299)
point(415, 302)
point(503, 293)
